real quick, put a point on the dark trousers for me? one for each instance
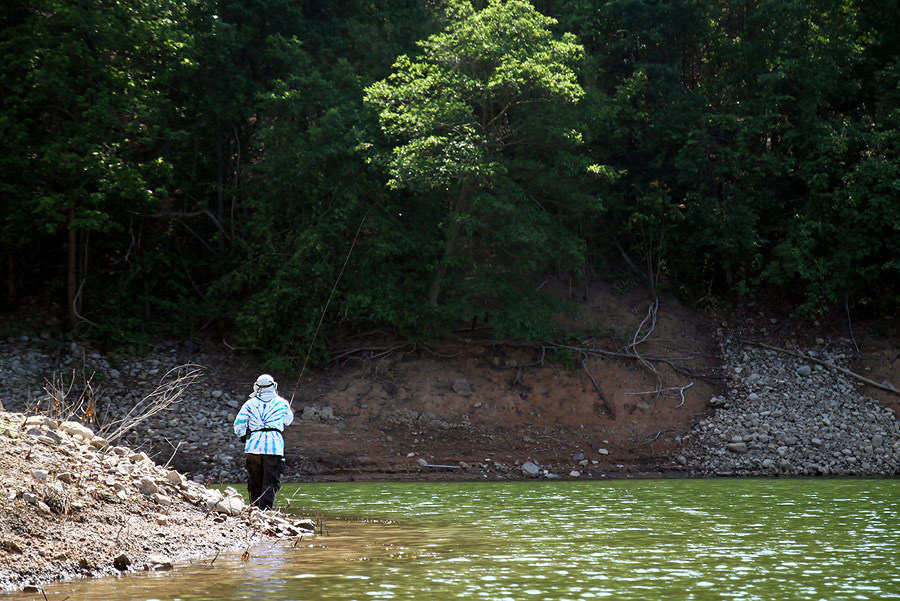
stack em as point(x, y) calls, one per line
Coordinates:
point(264, 479)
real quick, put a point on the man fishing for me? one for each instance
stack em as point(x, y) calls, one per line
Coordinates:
point(261, 423)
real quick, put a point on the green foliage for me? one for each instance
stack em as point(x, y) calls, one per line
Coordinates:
point(83, 119)
point(477, 117)
point(756, 118)
point(180, 165)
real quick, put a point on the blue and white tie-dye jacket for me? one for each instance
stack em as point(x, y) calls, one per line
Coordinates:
point(264, 409)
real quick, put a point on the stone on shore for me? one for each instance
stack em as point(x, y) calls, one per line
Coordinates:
point(530, 470)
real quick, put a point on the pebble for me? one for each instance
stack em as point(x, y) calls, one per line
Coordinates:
point(462, 387)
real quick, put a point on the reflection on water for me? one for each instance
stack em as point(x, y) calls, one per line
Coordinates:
point(646, 539)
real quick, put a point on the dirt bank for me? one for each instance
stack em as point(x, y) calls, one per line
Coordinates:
point(619, 398)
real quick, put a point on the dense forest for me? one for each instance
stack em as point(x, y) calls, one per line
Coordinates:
point(414, 165)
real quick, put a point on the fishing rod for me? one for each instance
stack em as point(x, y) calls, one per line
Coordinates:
point(328, 302)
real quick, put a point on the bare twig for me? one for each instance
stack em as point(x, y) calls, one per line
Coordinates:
point(383, 350)
point(178, 446)
point(122, 527)
point(654, 439)
point(681, 391)
point(169, 391)
point(58, 396)
point(850, 323)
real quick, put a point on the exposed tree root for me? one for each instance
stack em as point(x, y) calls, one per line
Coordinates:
point(609, 409)
point(583, 351)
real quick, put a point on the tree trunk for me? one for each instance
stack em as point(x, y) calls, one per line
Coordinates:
point(434, 291)
point(462, 204)
point(72, 270)
point(11, 276)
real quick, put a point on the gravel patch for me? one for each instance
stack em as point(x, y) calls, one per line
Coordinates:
point(787, 416)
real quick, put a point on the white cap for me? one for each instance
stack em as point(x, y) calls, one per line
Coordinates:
point(265, 381)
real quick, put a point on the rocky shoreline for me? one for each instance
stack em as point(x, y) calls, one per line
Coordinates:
point(72, 505)
point(780, 415)
point(193, 434)
point(783, 415)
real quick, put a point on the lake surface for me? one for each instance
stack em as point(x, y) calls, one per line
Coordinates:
point(767, 540)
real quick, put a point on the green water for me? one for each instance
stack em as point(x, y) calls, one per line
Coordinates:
point(772, 540)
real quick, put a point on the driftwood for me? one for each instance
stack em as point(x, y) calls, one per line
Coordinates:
point(885, 386)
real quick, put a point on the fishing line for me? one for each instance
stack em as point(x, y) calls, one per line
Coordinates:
point(328, 302)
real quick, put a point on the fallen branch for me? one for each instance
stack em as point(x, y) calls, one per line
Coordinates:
point(680, 389)
point(382, 350)
point(558, 441)
point(652, 440)
point(652, 311)
point(885, 386)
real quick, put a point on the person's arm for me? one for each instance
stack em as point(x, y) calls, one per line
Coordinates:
point(241, 421)
point(288, 415)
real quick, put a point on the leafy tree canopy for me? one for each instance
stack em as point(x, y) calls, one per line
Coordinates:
point(474, 117)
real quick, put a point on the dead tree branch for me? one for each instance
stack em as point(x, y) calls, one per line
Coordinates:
point(169, 391)
point(680, 390)
point(641, 335)
point(889, 387)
